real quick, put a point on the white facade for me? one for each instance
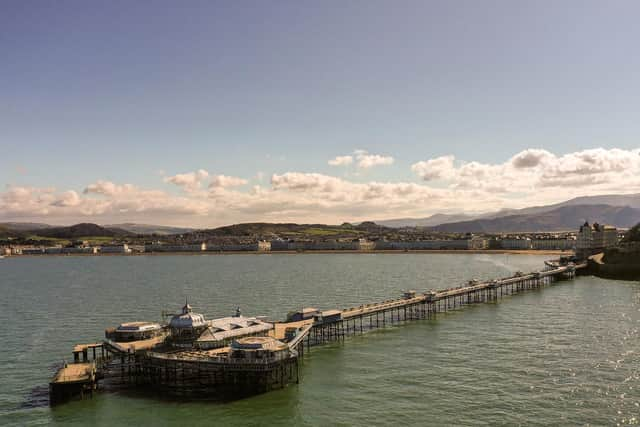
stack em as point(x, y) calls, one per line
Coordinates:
point(478, 243)
point(365, 245)
point(264, 246)
point(518, 244)
point(553, 244)
point(118, 249)
point(418, 245)
point(32, 251)
point(80, 250)
point(199, 247)
point(596, 237)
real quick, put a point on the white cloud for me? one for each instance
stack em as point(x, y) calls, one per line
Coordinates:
point(531, 158)
point(298, 181)
point(363, 159)
point(438, 168)
point(539, 173)
point(366, 160)
point(342, 194)
point(108, 188)
point(68, 198)
point(341, 161)
point(226, 181)
point(189, 181)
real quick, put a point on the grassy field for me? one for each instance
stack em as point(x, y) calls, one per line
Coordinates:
point(330, 231)
point(54, 241)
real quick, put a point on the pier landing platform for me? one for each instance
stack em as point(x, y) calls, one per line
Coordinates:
point(77, 379)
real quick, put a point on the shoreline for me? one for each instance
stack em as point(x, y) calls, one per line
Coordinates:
point(628, 270)
point(324, 252)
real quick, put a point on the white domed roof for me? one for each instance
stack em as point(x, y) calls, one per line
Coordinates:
point(188, 319)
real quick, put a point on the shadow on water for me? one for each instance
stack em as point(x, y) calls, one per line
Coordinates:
point(201, 396)
point(38, 397)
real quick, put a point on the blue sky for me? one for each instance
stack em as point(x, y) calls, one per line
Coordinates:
point(137, 92)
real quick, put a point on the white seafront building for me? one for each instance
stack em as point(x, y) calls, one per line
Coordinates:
point(553, 244)
point(115, 249)
point(418, 245)
point(518, 243)
point(159, 247)
point(594, 238)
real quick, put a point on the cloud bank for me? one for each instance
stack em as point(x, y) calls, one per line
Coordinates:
point(442, 184)
point(540, 171)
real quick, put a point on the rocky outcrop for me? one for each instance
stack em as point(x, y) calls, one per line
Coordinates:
point(621, 263)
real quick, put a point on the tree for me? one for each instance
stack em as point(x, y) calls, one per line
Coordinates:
point(633, 235)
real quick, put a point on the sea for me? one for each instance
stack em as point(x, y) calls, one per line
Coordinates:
point(567, 354)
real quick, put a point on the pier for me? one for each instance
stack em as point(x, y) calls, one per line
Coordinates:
point(413, 306)
point(77, 379)
point(239, 356)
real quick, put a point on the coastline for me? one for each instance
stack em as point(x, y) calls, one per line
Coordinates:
point(325, 252)
point(628, 270)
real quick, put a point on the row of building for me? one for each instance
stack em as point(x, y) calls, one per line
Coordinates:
point(475, 243)
point(128, 249)
point(591, 238)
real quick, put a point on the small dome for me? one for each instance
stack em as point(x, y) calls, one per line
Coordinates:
point(188, 319)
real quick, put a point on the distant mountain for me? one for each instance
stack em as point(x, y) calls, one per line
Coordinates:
point(564, 218)
point(24, 226)
point(429, 221)
point(631, 200)
point(160, 230)
point(80, 230)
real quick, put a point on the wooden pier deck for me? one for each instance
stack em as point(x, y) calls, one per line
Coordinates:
point(382, 306)
point(75, 373)
point(73, 380)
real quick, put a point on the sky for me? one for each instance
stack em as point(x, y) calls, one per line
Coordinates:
point(205, 113)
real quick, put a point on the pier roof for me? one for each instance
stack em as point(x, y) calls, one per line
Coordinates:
point(133, 346)
point(230, 327)
point(138, 326)
point(187, 319)
point(279, 329)
point(258, 343)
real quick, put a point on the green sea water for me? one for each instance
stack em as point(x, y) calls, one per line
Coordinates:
point(568, 354)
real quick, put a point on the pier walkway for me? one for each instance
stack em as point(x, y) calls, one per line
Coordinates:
point(412, 306)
